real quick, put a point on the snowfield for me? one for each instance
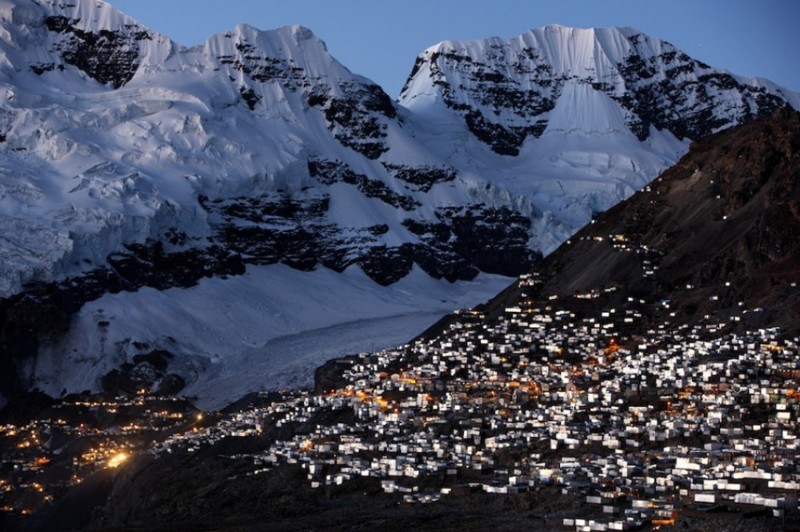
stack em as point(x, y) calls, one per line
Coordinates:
point(267, 329)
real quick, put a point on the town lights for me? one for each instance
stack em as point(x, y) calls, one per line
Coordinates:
point(117, 460)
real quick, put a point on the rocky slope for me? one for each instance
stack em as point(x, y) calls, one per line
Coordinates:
point(712, 236)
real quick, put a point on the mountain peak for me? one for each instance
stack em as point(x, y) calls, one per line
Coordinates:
point(88, 36)
point(505, 91)
point(298, 33)
point(252, 47)
point(560, 31)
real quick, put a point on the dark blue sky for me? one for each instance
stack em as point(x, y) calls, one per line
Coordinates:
point(380, 39)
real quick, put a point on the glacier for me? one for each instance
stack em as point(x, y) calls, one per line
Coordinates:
point(267, 329)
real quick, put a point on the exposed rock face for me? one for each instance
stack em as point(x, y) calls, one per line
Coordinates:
point(268, 230)
point(358, 118)
point(107, 56)
point(330, 172)
point(421, 177)
point(674, 92)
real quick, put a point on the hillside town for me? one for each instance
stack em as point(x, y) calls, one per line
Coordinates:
point(640, 430)
point(74, 439)
point(639, 424)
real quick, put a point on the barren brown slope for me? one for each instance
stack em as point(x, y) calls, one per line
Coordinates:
point(717, 233)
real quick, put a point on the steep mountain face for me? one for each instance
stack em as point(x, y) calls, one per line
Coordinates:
point(591, 115)
point(130, 162)
point(711, 238)
point(508, 91)
point(256, 144)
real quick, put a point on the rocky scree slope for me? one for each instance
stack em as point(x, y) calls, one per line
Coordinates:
point(711, 238)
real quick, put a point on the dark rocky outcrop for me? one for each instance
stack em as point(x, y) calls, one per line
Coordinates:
point(491, 89)
point(110, 57)
point(330, 172)
point(421, 177)
point(654, 99)
point(277, 228)
point(146, 371)
point(490, 239)
point(357, 120)
point(263, 68)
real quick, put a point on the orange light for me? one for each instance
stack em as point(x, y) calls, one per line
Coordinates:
point(117, 460)
point(382, 403)
point(663, 522)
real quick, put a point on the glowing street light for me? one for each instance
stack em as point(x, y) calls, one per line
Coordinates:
point(117, 460)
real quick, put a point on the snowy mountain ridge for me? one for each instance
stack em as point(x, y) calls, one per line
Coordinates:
point(130, 162)
point(594, 114)
point(249, 113)
point(515, 84)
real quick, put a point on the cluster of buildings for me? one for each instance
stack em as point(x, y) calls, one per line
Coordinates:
point(44, 458)
point(637, 429)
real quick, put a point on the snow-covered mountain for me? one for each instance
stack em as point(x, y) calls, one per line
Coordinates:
point(258, 142)
point(583, 116)
point(129, 161)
